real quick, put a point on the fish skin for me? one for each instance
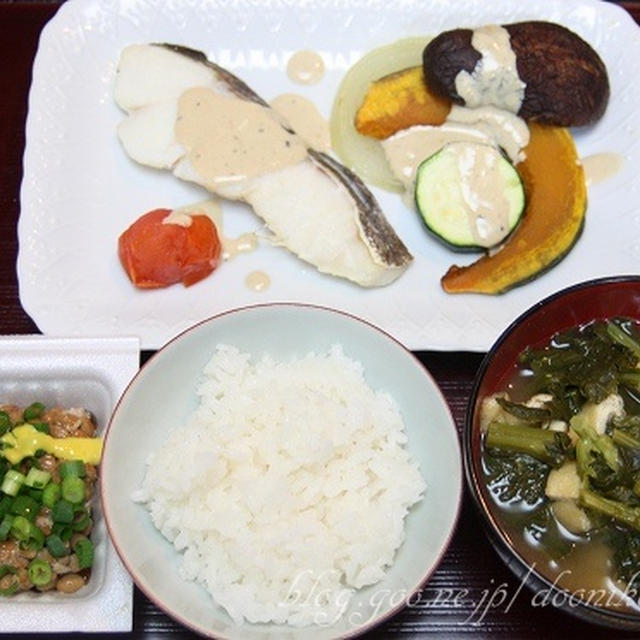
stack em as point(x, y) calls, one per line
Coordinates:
point(374, 226)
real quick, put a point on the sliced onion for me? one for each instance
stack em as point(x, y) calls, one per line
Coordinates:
point(360, 153)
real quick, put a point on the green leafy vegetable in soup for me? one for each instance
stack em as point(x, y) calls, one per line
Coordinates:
point(561, 452)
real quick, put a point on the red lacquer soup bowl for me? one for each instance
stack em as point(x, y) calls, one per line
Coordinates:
point(572, 307)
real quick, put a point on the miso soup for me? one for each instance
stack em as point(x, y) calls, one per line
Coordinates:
point(561, 461)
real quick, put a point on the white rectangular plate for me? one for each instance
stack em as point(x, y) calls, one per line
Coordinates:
point(80, 191)
point(89, 373)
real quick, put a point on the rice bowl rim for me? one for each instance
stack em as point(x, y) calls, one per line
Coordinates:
point(376, 620)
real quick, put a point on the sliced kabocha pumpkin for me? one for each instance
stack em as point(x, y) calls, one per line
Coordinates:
point(398, 101)
point(556, 196)
point(552, 176)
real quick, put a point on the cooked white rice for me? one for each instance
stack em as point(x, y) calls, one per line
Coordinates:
point(287, 488)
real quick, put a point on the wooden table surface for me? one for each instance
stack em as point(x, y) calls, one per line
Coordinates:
point(472, 593)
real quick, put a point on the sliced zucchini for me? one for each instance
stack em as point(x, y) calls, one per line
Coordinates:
point(469, 195)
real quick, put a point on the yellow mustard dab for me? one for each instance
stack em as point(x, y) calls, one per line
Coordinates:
point(25, 440)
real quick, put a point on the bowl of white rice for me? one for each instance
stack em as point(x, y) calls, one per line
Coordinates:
point(281, 471)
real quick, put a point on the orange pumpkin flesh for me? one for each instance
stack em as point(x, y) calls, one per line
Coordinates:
point(556, 195)
point(399, 101)
point(553, 178)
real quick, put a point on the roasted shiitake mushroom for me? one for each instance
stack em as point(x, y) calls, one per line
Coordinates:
point(566, 82)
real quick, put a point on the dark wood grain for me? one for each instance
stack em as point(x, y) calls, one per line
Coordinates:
point(470, 572)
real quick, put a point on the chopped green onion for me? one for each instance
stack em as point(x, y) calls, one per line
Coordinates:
point(81, 520)
point(27, 533)
point(84, 552)
point(5, 422)
point(42, 427)
point(6, 569)
point(5, 527)
point(72, 468)
point(36, 538)
point(73, 489)
point(51, 494)
point(36, 494)
point(26, 506)
point(21, 529)
point(9, 591)
point(33, 411)
point(56, 547)
point(37, 479)
point(12, 482)
point(65, 531)
point(62, 512)
point(5, 505)
point(40, 572)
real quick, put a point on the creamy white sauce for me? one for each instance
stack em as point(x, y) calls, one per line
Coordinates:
point(482, 189)
point(494, 80)
point(305, 67)
point(229, 140)
point(305, 119)
point(479, 180)
point(601, 166)
point(257, 281)
point(406, 149)
point(231, 246)
point(179, 217)
point(507, 130)
point(244, 243)
point(211, 208)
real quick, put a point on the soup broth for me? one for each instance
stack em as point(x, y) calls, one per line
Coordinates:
point(551, 385)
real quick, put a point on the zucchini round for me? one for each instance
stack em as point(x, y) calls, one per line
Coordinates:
point(556, 205)
point(469, 195)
